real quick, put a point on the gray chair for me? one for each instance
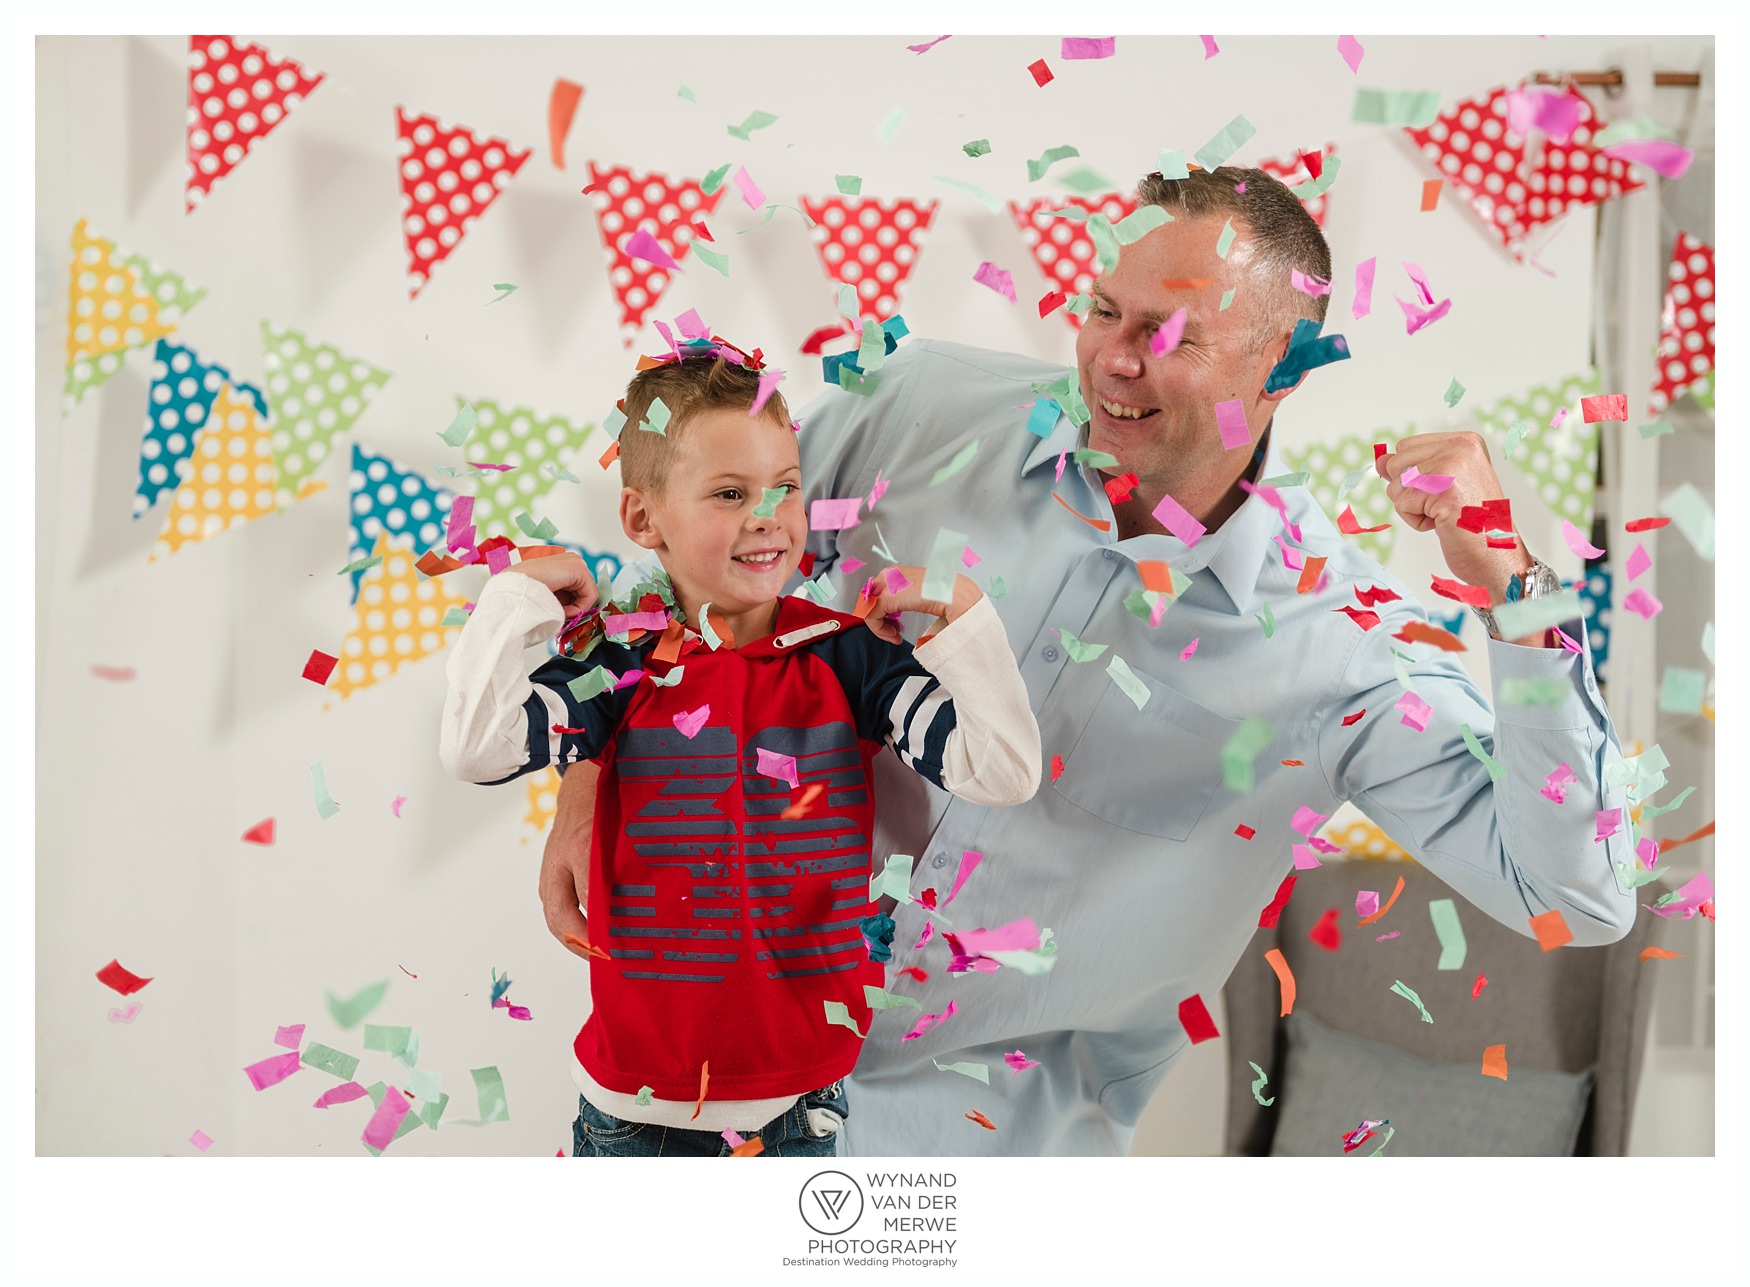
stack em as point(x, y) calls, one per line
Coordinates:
point(1565, 1011)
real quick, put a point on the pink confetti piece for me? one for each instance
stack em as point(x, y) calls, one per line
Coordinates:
point(1168, 334)
point(775, 764)
point(618, 623)
point(692, 326)
point(126, 1014)
point(1433, 484)
point(970, 558)
point(1306, 821)
point(969, 860)
point(1307, 284)
point(1016, 936)
point(1555, 421)
point(834, 515)
point(1647, 850)
point(272, 1070)
point(997, 279)
point(1638, 561)
point(498, 559)
point(1689, 898)
point(396, 803)
point(386, 1120)
point(115, 674)
point(1382, 938)
point(690, 722)
point(1178, 520)
point(1416, 318)
point(1642, 603)
point(929, 1021)
point(896, 580)
point(918, 49)
point(1609, 823)
point(1578, 543)
point(642, 245)
point(1019, 1062)
point(926, 936)
point(732, 1139)
point(1366, 902)
point(879, 489)
point(1189, 651)
point(1061, 457)
point(1210, 48)
point(516, 1011)
point(850, 563)
point(481, 464)
point(1306, 858)
point(1421, 280)
point(769, 379)
point(1352, 51)
point(201, 1140)
point(750, 191)
point(1364, 287)
point(1416, 712)
point(1324, 846)
point(1553, 785)
point(1157, 612)
point(1090, 47)
point(628, 680)
point(1554, 112)
point(342, 1094)
point(1273, 498)
point(289, 1037)
point(1568, 642)
point(1230, 417)
point(1669, 160)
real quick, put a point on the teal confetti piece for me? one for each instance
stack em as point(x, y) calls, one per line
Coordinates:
point(1224, 243)
point(850, 185)
point(1267, 619)
point(1535, 691)
point(1230, 139)
point(461, 427)
point(594, 682)
point(455, 617)
point(1258, 1086)
point(989, 202)
point(1417, 108)
point(360, 565)
point(1227, 299)
point(347, 1013)
point(1043, 418)
point(656, 417)
point(894, 880)
point(1527, 616)
point(1139, 223)
point(319, 788)
point(329, 1060)
point(710, 258)
point(391, 1041)
point(1444, 913)
point(770, 499)
point(1079, 651)
point(1172, 163)
point(489, 1092)
point(1496, 769)
point(545, 530)
point(978, 1072)
point(978, 147)
point(1037, 167)
point(839, 1013)
point(890, 126)
point(1125, 678)
point(687, 94)
point(881, 999)
point(754, 121)
point(714, 178)
point(962, 459)
point(1409, 994)
point(943, 565)
point(1681, 690)
point(1248, 740)
point(1454, 392)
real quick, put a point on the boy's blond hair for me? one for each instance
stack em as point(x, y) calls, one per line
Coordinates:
point(686, 389)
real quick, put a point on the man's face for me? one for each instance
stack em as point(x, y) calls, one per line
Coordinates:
point(716, 549)
point(1157, 414)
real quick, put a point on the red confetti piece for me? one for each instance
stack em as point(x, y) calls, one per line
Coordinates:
point(1326, 933)
point(1473, 595)
point(1245, 833)
point(1294, 764)
point(1118, 489)
point(1056, 767)
point(1268, 918)
point(922, 976)
point(806, 566)
point(1644, 524)
point(1314, 162)
point(409, 973)
point(118, 674)
point(1349, 525)
point(260, 834)
point(1194, 1019)
point(1355, 718)
point(320, 666)
point(818, 339)
point(1380, 451)
point(1361, 617)
point(1606, 406)
point(1051, 301)
point(1480, 518)
point(981, 1119)
point(1477, 987)
point(123, 981)
point(1041, 73)
point(1374, 595)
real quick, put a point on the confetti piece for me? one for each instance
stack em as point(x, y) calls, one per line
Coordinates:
point(1552, 931)
point(1089, 47)
point(1406, 107)
point(836, 1013)
point(1366, 902)
point(1099, 524)
point(289, 1037)
point(1230, 418)
point(1433, 484)
point(1126, 679)
point(1638, 562)
point(347, 1013)
point(272, 1070)
point(329, 1060)
point(1431, 193)
point(929, 1021)
point(1310, 575)
point(1659, 954)
point(976, 1071)
point(1664, 157)
point(1177, 520)
point(894, 879)
point(201, 1140)
point(321, 665)
point(1643, 603)
point(1577, 542)
point(1352, 51)
point(1284, 976)
point(890, 126)
point(1210, 50)
point(1694, 517)
point(1398, 889)
point(776, 765)
point(1495, 1061)
point(1223, 244)
point(1409, 994)
point(1495, 768)
point(749, 1148)
point(1528, 616)
point(1241, 749)
point(1444, 913)
point(1037, 167)
point(755, 121)
point(1258, 1086)
point(918, 49)
point(121, 980)
point(1228, 140)
point(126, 1014)
point(1041, 73)
point(1326, 932)
point(1477, 987)
point(260, 834)
point(1416, 712)
point(1189, 650)
point(1194, 1019)
point(1267, 919)
point(461, 427)
point(1605, 406)
point(1305, 859)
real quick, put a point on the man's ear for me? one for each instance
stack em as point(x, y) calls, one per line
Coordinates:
point(637, 520)
point(1273, 355)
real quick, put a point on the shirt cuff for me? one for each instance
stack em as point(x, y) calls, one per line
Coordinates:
point(1525, 682)
point(523, 603)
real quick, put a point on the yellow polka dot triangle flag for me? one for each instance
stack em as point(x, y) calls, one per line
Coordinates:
point(117, 301)
point(316, 393)
point(399, 619)
point(184, 388)
point(238, 94)
point(230, 476)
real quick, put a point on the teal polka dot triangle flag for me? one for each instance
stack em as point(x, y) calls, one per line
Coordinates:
point(1330, 463)
point(1562, 459)
point(177, 405)
point(390, 497)
point(524, 439)
point(316, 393)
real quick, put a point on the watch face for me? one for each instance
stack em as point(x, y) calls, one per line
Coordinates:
point(1542, 580)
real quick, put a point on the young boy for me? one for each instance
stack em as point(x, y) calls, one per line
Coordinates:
point(730, 864)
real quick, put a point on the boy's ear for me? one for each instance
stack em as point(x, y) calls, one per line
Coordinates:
point(636, 519)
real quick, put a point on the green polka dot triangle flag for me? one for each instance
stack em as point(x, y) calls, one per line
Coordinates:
point(1561, 458)
point(117, 301)
point(1330, 464)
point(316, 393)
point(526, 440)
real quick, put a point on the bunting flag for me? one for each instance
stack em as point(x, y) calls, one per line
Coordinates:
point(1331, 463)
point(177, 406)
point(448, 179)
point(1061, 247)
point(390, 499)
point(1514, 187)
point(1594, 590)
point(116, 302)
point(1292, 170)
point(1562, 459)
point(317, 392)
point(869, 244)
point(230, 476)
point(238, 93)
point(1361, 838)
point(664, 208)
point(525, 440)
point(543, 798)
point(1686, 334)
point(399, 620)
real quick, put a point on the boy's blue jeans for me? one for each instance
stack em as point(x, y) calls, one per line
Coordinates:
point(791, 1134)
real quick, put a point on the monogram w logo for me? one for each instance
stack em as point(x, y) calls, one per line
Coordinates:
point(831, 1203)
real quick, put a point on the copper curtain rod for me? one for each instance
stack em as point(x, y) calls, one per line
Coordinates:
point(1688, 80)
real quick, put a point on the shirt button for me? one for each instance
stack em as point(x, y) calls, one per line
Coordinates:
point(940, 860)
point(1110, 554)
point(1050, 654)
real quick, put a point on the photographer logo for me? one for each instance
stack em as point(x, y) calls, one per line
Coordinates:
point(831, 1203)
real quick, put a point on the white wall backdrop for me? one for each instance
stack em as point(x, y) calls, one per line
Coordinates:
point(144, 787)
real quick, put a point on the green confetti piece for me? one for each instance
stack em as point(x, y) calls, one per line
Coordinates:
point(1681, 690)
point(462, 427)
point(715, 259)
point(1454, 392)
point(559, 473)
point(1247, 742)
point(770, 499)
point(1527, 616)
point(890, 126)
point(1315, 188)
point(962, 459)
point(1299, 479)
point(1079, 651)
point(1094, 459)
point(989, 202)
point(1641, 127)
point(1390, 1131)
point(754, 121)
point(1125, 678)
point(687, 94)
point(1085, 181)
point(1651, 811)
point(506, 287)
point(489, 1092)
point(943, 564)
point(329, 1060)
point(359, 565)
point(391, 1041)
point(1535, 691)
point(614, 422)
point(425, 1083)
point(872, 351)
point(1267, 619)
point(976, 1071)
point(714, 178)
point(1258, 1086)
point(410, 1054)
point(1642, 775)
point(850, 185)
point(1139, 223)
point(1079, 304)
point(847, 302)
point(1351, 480)
point(1030, 962)
point(1172, 163)
point(894, 879)
point(1444, 913)
point(1516, 435)
point(545, 530)
point(881, 546)
point(319, 788)
point(1224, 243)
point(593, 682)
point(1228, 140)
point(430, 1113)
point(881, 999)
point(839, 1013)
point(978, 147)
point(998, 587)
point(1707, 643)
point(857, 382)
point(1416, 108)
point(645, 1093)
point(1690, 513)
point(820, 590)
point(455, 617)
point(316, 393)
point(1227, 299)
point(656, 417)
point(1497, 771)
point(1657, 429)
point(347, 1013)
point(1075, 214)
point(1409, 994)
point(1105, 242)
point(1037, 167)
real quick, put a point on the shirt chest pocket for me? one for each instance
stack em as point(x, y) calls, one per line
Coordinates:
point(1152, 771)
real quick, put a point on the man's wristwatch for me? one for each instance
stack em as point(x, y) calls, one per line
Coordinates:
point(1538, 580)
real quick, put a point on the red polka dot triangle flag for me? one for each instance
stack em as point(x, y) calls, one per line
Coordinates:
point(1062, 247)
point(238, 94)
point(1686, 337)
point(448, 178)
point(870, 245)
point(662, 208)
point(1291, 169)
point(1517, 184)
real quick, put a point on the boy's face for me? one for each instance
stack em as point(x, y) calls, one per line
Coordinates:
point(703, 525)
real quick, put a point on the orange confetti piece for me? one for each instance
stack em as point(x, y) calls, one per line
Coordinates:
point(1666, 845)
point(1284, 976)
point(1098, 524)
point(1659, 954)
point(721, 625)
point(668, 648)
point(1349, 525)
point(810, 794)
point(704, 1081)
point(1187, 283)
point(1156, 575)
point(1430, 199)
point(1310, 574)
point(1551, 930)
point(1423, 632)
point(1294, 764)
point(865, 605)
point(585, 946)
point(747, 1148)
point(647, 363)
point(1384, 907)
point(527, 552)
point(1495, 1062)
point(611, 454)
point(561, 108)
point(981, 1119)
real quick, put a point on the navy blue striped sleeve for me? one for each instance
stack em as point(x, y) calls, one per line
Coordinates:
point(894, 699)
point(588, 722)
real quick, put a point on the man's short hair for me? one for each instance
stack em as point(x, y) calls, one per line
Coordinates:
point(1281, 233)
point(701, 383)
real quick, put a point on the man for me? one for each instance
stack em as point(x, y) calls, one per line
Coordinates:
point(1148, 859)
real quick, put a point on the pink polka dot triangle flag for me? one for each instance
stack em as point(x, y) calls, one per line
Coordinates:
point(117, 301)
point(238, 94)
point(1062, 247)
point(1517, 181)
point(230, 476)
point(448, 179)
point(870, 245)
point(316, 392)
point(1686, 338)
point(632, 210)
